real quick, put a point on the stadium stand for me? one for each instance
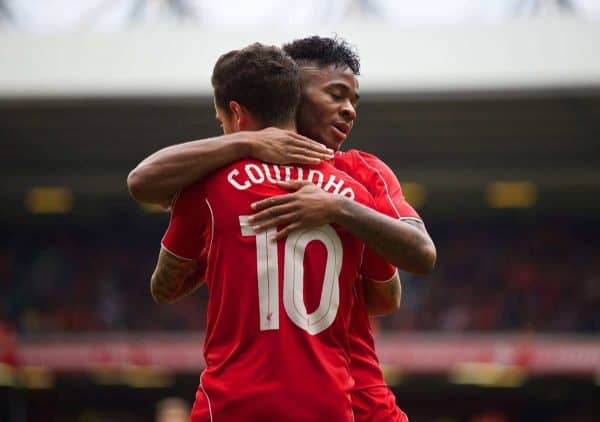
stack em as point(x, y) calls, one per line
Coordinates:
point(531, 278)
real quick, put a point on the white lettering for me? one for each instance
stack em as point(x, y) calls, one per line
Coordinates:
point(348, 193)
point(288, 170)
point(268, 174)
point(256, 176)
point(234, 183)
point(273, 174)
point(332, 184)
point(319, 175)
point(277, 173)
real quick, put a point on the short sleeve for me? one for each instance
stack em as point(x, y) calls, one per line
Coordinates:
point(381, 182)
point(375, 267)
point(186, 235)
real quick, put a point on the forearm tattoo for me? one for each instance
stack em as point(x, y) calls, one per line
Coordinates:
point(173, 278)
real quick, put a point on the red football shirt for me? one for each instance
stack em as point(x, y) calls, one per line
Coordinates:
point(276, 344)
point(383, 185)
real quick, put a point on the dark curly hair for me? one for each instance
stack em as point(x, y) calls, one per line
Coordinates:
point(324, 51)
point(264, 79)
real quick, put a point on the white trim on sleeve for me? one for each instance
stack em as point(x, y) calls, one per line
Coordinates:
point(174, 254)
point(418, 220)
point(384, 281)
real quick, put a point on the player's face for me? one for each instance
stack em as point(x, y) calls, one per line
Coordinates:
point(327, 108)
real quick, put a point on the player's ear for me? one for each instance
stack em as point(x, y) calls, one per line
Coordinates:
point(237, 114)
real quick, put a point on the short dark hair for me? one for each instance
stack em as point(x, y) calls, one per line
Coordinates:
point(264, 79)
point(324, 51)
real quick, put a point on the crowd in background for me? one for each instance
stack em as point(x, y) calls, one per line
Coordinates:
point(510, 276)
point(64, 276)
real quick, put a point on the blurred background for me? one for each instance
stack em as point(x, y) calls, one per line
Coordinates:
point(487, 110)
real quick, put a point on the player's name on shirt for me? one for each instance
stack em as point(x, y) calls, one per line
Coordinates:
point(243, 177)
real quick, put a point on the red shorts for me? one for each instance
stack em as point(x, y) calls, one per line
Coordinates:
point(376, 404)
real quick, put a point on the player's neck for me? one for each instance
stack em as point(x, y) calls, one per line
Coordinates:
point(291, 127)
point(253, 126)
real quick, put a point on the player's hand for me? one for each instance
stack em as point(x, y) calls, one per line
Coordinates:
point(307, 207)
point(278, 146)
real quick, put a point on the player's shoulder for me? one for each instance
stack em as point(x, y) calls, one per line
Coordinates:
point(241, 163)
point(367, 168)
point(187, 198)
point(235, 168)
point(195, 189)
point(332, 168)
point(359, 158)
point(336, 177)
point(214, 181)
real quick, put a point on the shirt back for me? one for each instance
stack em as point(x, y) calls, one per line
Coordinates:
point(278, 315)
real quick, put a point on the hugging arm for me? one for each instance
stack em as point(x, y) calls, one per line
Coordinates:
point(161, 175)
point(401, 243)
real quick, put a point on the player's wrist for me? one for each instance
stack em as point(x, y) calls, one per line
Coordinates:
point(245, 144)
point(338, 209)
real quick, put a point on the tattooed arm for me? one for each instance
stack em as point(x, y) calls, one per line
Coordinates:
point(174, 277)
point(406, 245)
point(383, 298)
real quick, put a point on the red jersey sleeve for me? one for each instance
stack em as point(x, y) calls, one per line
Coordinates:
point(190, 219)
point(380, 181)
point(373, 266)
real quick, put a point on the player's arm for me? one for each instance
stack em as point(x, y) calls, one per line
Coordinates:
point(174, 277)
point(400, 243)
point(182, 261)
point(381, 288)
point(383, 297)
point(384, 187)
point(161, 175)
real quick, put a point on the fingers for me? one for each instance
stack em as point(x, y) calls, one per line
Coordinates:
point(276, 221)
point(294, 138)
point(270, 202)
point(310, 144)
point(308, 152)
point(293, 184)
point(271, 212)
point(314, 146)
point(285, 231)
point(301, 159)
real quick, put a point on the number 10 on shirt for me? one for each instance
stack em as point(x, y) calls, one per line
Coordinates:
point(267, 264)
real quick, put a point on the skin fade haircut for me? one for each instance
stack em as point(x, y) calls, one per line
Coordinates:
point(323, 52)
point(264, 79)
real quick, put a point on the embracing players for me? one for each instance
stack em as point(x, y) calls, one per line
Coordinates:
point(326, 113)
point(278, 312)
